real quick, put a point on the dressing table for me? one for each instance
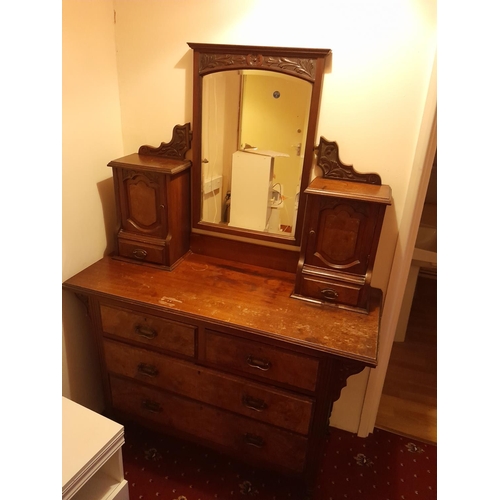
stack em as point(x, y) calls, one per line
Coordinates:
point(218, 341)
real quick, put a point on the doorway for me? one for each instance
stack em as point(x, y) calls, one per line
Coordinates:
point(408, 405)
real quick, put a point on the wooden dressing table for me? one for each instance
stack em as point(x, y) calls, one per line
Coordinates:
point(215, 333)
point(220, 353)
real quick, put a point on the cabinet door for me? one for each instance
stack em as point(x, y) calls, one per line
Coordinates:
point(340, 234)
point(142, 204)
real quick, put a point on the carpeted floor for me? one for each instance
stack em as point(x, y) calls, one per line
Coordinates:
point(383, 466)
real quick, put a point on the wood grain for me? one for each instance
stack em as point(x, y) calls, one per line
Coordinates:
point(233, 295)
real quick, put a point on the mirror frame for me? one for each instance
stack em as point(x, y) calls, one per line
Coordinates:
point(304, 63)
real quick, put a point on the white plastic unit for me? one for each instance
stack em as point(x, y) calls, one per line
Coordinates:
point(92, 466)
point(251, 181)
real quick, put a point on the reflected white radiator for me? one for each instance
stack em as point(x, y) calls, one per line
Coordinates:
point(212, 199)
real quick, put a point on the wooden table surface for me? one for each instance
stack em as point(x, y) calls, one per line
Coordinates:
point(250, 298)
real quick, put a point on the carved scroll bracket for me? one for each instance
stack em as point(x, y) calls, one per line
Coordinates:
point(176, 149)
point(342, 371)
point(328, 160)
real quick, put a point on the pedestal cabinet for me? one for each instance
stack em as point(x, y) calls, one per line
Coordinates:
point(343, 221)
point(151, 189)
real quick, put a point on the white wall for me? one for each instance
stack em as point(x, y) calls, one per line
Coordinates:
point(372, 103)
point(91, 138)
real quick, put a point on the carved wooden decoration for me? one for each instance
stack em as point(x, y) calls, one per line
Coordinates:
point(293, 65)
point(342, 370)
point(176, 148)
point(329, 162)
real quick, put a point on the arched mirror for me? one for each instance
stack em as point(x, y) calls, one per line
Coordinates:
point(255, 112)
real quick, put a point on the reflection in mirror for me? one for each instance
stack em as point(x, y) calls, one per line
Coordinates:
point(253, 133)
point(255, 115)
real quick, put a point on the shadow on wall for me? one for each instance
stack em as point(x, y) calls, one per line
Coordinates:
point(107, 196)
point(81, 374)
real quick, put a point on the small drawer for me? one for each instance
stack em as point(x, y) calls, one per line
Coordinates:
point(262, 360)
point(239, 436)
point(280, 408)
point(330, 291)
point(149, 330)
point(141, 252)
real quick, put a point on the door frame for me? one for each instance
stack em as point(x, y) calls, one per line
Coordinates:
point(419, 179)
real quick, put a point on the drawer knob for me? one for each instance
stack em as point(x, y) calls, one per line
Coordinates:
point(253, 440)
point(253, 403)
point(260, 364)
point(151, 406)
point(329, 294)
point(144, 331)
point(148, 370)
point(140, 253)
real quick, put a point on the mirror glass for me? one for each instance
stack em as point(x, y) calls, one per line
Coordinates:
point(254, 128)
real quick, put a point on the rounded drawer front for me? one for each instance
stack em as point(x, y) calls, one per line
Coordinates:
point(262, 360)
point(240, 436)
point(330, 291)
point(280, 408)
point(149, 330)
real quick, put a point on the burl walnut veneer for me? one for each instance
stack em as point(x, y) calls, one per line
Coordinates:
point(343, 220)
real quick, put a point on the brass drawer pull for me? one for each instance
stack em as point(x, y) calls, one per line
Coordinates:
point(151, 406)
point(329, 294)
point(144, 331)
point(253, 440)
point(260, 364)
point(253, 403)
point(140, 253)
point(149, 370)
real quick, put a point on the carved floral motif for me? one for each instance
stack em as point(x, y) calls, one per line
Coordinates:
point(293, 65)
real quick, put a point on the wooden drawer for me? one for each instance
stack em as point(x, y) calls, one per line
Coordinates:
point(236, 394)
point(262, 360)
point(150, 330)
point(330, 291)
point(240, 436)
point(142, 252)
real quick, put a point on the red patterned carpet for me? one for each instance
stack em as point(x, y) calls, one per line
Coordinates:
point(383, 466)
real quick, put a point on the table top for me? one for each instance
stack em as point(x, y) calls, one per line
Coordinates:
point(251, 298)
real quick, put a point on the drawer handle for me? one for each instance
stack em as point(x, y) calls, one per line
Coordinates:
point(329, 294)
point(144, 331)
point(149, 370)
point(253, 403)
point(140, 253)
point(253, 440)
point(260, 364)
point(151, 406)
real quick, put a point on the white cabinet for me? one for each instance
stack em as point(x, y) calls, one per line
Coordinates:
point(92, 467)
point(251, 179)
